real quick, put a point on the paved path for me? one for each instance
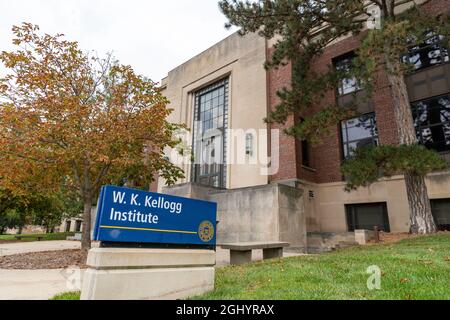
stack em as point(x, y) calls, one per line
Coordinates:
point(38, 246)
point(33, 284)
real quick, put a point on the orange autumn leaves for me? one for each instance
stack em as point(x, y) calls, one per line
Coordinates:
point(68, 114)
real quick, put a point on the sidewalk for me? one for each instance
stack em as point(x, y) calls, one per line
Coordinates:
point(38, 246)
point(32, 284)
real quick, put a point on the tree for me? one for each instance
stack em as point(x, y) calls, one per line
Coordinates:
point(303, 29)
point(12, 211)
point(48, 210)
point(35, 208)
point(69, 114)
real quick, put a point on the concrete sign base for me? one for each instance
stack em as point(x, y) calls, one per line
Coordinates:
point(147, 274)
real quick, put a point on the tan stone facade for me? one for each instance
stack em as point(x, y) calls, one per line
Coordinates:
point(327, 213)
point(240, 60)
point(253, 92)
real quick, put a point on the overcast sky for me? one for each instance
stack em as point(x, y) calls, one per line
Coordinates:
point(153, 36)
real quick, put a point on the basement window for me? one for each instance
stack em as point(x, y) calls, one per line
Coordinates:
point(441, 213)
point(367, 217)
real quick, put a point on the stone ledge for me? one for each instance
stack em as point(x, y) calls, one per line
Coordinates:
point(147, 284)
point(244, 246)
point(116, 258)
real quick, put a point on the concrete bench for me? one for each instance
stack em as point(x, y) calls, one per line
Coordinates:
point(76, 237)
point(38, 238)
point(241, 253)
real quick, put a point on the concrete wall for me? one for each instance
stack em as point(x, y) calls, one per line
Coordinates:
point(247, 215)
point(241, 59)
point(267, 213)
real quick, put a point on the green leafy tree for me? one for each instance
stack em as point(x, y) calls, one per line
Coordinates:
point(45, 210)
point(12, 211)
point(48, 210)
point(10, 219)
point(302, 29)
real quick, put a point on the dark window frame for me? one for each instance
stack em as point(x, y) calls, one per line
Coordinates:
point(435, 202)
point(78, 226)
point(305, 150)
point(68, 225)
point(428, 46)
point(352, 219)
point(221, 174)
point(346, 143)
point(415, 108)
point(343, 61)
point(306, 154)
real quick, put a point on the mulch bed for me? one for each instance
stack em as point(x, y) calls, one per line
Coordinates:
point(396, 237)
point(8, 242)
point(44, 260)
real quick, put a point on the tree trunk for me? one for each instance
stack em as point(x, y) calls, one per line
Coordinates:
point(2, 230)
point(86, 238)
point(422, 221)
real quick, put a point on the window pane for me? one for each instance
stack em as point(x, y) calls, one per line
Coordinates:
point(432, 121)
point(432, 52)
point(306, 160)
point(441, 213)
point(209, 150)
point(359, 132)
point(348, 84)
point(360, 128)
point(350, 149)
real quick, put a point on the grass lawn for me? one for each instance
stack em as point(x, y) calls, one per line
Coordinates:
point(413, 269)
point(67, 296)
point(32, 237)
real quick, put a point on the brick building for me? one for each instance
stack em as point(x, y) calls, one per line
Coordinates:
point(226, 87)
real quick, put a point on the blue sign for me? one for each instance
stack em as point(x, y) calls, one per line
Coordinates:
point(135, 216)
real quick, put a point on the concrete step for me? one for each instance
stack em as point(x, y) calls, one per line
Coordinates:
point(315, 242)
point(344, 238)
point(346, 244)
point(319, 250)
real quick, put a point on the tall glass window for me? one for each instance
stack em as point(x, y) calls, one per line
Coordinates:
point(344, 64)
point(433, 51)
point(432, 121)
point(211, 121)
point(359, 132)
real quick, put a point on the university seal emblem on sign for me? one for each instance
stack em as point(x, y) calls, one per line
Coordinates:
point(206, 231)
